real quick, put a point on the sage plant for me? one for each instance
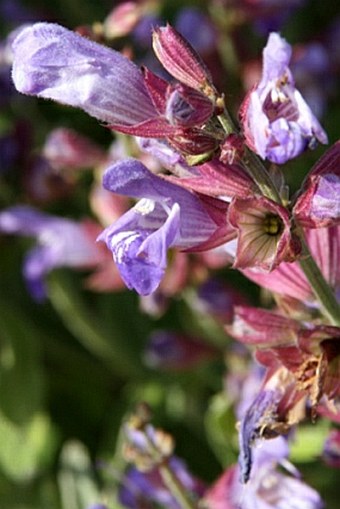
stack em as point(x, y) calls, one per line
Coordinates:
point(218, 188)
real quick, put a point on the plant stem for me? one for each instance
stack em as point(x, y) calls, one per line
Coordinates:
point(252, 163)
point(227, 123)
point(319, 285)
point(259, 173)
point(169, 477)
point(175, 487)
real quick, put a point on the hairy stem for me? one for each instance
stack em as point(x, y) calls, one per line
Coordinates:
point(252, 163)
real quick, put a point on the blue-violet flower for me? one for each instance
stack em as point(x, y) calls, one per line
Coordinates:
point(278, 124)
point(166, 216)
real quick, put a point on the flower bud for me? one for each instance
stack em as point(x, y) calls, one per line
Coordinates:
point(65, 149)
point(122, 20)
point(194, 142)
point(181, 60)
point(186, 107)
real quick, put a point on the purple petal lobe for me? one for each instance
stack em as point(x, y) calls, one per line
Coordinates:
point(131, 178)
point(55, 63)
point(139, 245)
point(259, 412)
point(276, 57)
point(325, 203)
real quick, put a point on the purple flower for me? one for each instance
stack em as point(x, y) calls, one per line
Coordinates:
point(168, 350)
point(166, 216)
point(55, 63)
point(268, 487)
point(141, 489)
point(261, 411)
point(318, 202)
point(197, 28)
point(257, 482)
point(61, 243)
point(277, 122)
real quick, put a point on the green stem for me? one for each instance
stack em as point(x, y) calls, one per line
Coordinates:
point(170, 479)
point(227, 123)
point(319, 285)
point(104, 342)
point(252, 163)
point(261, 176)
point(259, 173)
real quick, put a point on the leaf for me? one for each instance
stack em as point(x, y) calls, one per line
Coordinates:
point(77, 487)
point(221, 429)
point(26, 449)
point(21, 375)
point(308, 442)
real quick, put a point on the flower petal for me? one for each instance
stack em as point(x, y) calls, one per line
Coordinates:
point(130, 177)
point(55, 63)
point(139, 246)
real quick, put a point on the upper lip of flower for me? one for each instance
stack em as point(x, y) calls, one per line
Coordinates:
point(53, 62)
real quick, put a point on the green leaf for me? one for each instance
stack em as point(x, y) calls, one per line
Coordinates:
point(77, 486)
point(26, 449)
point(221, 429)
point(21, 375)
point(308, 442)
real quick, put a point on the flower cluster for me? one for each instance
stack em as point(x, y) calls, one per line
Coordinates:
point(183, 190)
point(222, 200)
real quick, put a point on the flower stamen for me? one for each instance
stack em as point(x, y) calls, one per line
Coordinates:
point(272, 225)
